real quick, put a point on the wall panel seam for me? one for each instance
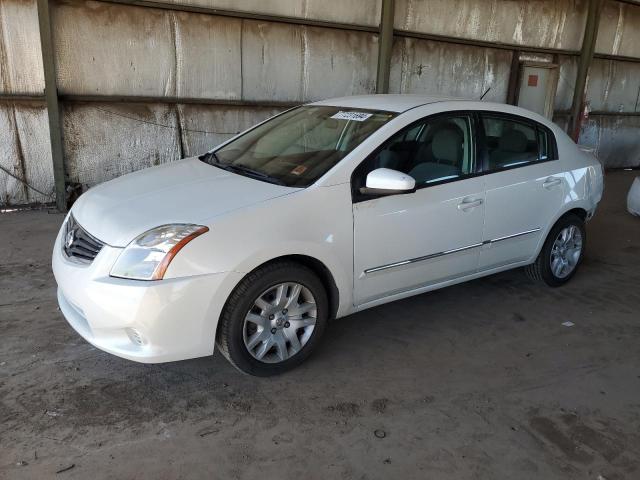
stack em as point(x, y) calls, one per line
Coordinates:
point(506, 46)
point(245, 15)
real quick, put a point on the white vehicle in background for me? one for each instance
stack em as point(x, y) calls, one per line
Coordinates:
point(633, 198)
point(324, 210)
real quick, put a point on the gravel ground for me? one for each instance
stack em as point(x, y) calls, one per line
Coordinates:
point(479, 380)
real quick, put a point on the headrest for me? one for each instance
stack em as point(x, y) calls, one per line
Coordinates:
point(447, 143)
point(513, 141)
point(387, 159)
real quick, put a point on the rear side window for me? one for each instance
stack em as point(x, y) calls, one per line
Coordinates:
point(544, 147)
point(510, 143)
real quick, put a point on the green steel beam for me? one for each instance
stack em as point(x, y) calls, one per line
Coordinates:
point(53, 108)
point(385, 46)
point(584, 63)
point(64, 98)
point(19, 97)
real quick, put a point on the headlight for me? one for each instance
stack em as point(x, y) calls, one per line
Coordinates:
point(148, 256)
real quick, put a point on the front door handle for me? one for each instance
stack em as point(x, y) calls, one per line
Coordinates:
point(551, 182)
point(468, 204)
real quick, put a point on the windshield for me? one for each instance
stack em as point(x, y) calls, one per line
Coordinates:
point(299, 146)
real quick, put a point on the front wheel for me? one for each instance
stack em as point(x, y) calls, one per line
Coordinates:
point(273, 319)
point(561, 253)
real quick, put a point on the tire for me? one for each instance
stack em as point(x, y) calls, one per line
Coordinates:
point(542, 271)
point(256, 312)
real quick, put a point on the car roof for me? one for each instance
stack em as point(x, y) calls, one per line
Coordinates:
point(388, 102)
point(403, 102)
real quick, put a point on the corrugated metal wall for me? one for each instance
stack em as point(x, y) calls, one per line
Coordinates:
point(613, 91)
point(469, 70)
point(25, 155)
point(357, 12)
point(438, 68)
point(106, 49)
point(141, 86)
point(540, 23)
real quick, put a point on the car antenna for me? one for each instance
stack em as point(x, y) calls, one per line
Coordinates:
point(486, 91)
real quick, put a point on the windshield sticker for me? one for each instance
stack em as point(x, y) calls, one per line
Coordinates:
point(299, 170)
point(355, 116)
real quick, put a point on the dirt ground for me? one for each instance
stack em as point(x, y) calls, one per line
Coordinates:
point(480, 380)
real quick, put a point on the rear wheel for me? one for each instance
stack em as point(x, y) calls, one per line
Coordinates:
point(561, 253)
point(273, 319)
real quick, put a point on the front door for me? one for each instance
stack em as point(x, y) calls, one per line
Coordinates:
point(404, 242)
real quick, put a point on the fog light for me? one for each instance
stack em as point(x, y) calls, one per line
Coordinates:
point(135, 336)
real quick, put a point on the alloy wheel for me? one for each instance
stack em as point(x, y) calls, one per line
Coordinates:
point(280, 322)
point(566, 251)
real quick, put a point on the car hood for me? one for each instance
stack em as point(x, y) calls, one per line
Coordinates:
point(186, 191)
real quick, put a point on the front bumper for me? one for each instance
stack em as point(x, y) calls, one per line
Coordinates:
point(149, 322)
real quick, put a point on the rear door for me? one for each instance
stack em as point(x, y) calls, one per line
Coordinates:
point(524, 188)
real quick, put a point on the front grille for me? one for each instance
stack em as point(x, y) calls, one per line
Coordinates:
point(78, 244)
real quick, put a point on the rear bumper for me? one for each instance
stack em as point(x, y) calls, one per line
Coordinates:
point(149, 322)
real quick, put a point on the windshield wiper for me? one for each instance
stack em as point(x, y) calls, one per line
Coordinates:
point(241, 169)
point(212, 159)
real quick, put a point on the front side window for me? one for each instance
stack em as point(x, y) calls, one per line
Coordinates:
point(431, 151)
point(509, 142)
point(298, 147)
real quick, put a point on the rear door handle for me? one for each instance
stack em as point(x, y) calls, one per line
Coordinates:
point(551, 182)
point(467, 204)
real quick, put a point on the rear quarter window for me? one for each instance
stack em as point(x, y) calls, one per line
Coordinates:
point(513, 141)
point(509, 142)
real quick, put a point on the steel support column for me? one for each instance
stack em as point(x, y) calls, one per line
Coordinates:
point(53, 108)
point(514, 76)
point(584, 63)
point(385, 45)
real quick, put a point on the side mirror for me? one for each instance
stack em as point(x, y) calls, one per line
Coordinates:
point(384, 181)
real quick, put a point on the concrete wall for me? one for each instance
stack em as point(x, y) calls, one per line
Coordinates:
point(141, 86)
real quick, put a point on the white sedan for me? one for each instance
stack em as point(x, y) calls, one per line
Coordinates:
point(324, 210)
